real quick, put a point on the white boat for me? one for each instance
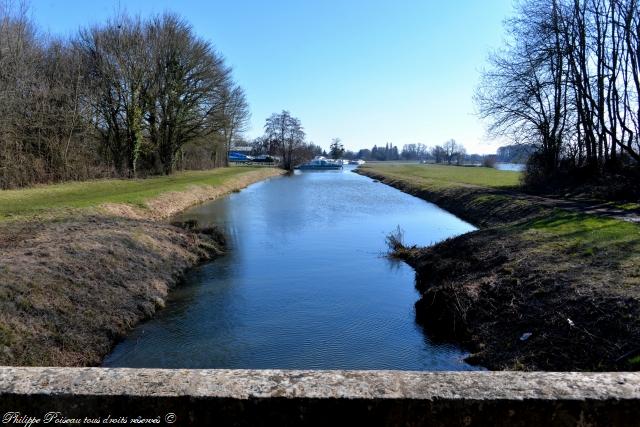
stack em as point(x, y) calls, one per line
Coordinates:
point(321, 163)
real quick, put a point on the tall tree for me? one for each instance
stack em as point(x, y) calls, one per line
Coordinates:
point(336, 149)
point(232, 117)
point(286, 133)
point(118, 69)
point(188, 78)
point(524, 91)
point(567, 83)
point(124, 97)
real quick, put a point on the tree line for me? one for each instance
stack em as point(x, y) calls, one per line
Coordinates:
point(567, 82)
point(450, 152)
point(284, 138)
point(387, 152)
point(129, 97)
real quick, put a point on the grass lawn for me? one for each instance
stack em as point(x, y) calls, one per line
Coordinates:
point(30, 201)
point(577, 233)
point(445, 176)
point(589, 235)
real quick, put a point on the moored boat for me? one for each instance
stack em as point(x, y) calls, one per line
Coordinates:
point(321, 163)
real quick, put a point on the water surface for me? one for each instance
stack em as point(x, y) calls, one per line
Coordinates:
point(304, 284)
point(516, 167)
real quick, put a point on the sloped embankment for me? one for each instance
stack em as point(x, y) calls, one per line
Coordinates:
point(479, 205)
point(72, 284)
point(535, 289)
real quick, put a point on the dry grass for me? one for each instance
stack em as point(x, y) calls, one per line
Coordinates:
point(74, 281)
point(489, 287)
point(60, 199)
point(170, 203)
point(70, 288)
point(570, 279)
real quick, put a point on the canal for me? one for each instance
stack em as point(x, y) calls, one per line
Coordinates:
point(305, 283)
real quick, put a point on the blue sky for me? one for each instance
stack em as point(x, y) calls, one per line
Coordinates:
point(368, 72)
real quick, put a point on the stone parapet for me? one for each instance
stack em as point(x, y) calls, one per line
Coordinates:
point(330, 398)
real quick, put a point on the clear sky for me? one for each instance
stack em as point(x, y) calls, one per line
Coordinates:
point(366, 71)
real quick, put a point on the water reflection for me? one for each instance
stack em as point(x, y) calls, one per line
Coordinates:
point(304, 285)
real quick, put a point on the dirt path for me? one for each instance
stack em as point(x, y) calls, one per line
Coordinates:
point(583, 206)
point(590, 207)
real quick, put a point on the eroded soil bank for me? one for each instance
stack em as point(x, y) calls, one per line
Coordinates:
point(73, 283)
point(536, 289)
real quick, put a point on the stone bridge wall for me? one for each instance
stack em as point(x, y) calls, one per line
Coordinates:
point(183, 397)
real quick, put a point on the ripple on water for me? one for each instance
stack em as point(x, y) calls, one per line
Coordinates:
point(303, 285)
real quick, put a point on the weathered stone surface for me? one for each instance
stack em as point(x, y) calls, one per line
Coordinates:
point(250, 397)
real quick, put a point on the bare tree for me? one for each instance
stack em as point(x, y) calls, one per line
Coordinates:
point(524, 91)
point(452, 151)
point(116, 58)
point(157, 87)
point(43, 134)
point(285, 132)
point(125, 97)
point(567, 83)
point(439, 154)
point(188, 80)
point(232, 118)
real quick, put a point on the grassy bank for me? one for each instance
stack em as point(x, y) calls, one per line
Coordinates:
point(136, 193)
point(442, 176)
point(481, 196)
point(537, 287)
point(82, 263)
